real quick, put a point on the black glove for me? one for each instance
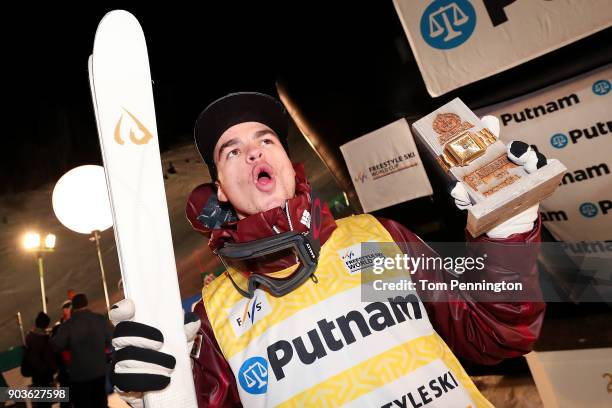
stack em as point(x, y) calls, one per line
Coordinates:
point(138, 365)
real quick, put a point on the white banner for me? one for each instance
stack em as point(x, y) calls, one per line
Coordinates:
point(385, 167)
point(457, 42)
point(570, 121)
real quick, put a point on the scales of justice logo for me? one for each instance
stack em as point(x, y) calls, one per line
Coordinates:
point(446, 24)
point(137, 132)
point(253, 375)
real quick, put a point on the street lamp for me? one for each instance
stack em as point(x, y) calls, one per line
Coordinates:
point(32, 242)
point(80, 202)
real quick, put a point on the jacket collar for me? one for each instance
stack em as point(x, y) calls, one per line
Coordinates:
point(275, 220)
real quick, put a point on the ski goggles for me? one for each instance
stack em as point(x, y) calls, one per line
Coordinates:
point(284, 262)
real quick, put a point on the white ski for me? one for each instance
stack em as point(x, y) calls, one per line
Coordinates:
point(120, 83)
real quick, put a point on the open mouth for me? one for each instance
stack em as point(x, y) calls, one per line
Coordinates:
point(263, 176)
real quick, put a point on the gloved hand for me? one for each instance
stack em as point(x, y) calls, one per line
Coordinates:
point(139, 366)
point(519, 153)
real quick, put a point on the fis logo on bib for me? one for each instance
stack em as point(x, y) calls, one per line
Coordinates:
point(253, 375)
point(246, 313)
point(447, 24)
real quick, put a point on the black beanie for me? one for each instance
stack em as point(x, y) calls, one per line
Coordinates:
point(42, 321)
point(79, 301)
point(231, 110)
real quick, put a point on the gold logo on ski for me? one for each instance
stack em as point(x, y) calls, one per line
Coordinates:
point(146, 135)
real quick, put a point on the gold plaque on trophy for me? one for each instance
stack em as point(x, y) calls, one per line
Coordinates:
point(465, 148)
point(469, 152)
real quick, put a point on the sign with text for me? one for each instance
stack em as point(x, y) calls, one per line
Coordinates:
point(457, 42)
point(385, 167)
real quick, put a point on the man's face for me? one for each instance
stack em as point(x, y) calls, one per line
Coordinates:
point(253, 169)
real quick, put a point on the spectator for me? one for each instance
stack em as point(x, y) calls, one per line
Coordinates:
point(40, 354)
point(87, 334)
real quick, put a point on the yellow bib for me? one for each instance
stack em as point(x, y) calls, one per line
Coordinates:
point(321, 346)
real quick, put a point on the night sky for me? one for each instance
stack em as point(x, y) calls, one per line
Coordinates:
point(196, 55)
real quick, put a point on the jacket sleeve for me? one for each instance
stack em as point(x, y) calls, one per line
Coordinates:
point(108, 333)
point(59, 341)
point(215, 383)
point(484, 332)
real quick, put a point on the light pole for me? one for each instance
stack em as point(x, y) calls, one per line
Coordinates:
point(80, 202)
point(96, 239)
point(33, 243)
point(20, 324)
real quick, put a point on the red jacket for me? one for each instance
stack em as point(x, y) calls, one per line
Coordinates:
point(485, 333)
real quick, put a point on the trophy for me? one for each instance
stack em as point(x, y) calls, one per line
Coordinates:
point(469, 152)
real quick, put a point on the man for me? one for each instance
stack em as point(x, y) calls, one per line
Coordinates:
point(87, 335)
point(280, 329)
point(40, 354)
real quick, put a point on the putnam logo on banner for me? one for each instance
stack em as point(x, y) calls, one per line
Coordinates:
point(457, 42)
point(385, 167)
point(570, 121)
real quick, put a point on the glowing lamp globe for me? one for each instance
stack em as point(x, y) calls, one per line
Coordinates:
point(31, 241)
point(80, 200)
